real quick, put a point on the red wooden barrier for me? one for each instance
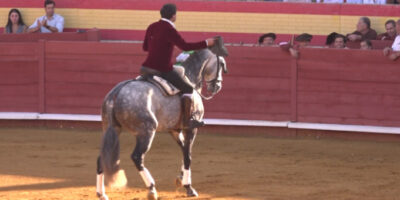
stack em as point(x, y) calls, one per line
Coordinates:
point(264, 83)
point(376, 44)
point(90, 35)
point(348, 87)
point(19, 77)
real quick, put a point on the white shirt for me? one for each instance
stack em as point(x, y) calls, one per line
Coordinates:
point(396, 44)
point(169, 21)
point(56, 21)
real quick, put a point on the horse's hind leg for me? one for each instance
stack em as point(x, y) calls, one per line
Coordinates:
point(186, 144)
point(100, 189)
point(143, 144)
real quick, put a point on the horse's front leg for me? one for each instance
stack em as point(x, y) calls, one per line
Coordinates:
point(189, 136)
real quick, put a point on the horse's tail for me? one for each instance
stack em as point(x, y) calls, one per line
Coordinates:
point(110, 145)
point(110, 152)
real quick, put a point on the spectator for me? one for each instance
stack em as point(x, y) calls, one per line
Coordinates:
point(390, 34)
point(267, 39)
point(363, 31)
point(15, 24)
point(366, 45)
point(394, 51)
point(339, 42)
point(303, 39)
point(330, 39)
point(49, 23)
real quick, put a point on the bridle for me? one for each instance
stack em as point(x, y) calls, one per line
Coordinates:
point(214, 81)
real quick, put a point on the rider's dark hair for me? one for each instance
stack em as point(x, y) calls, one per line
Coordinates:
point(168, 11)
point(48, 2)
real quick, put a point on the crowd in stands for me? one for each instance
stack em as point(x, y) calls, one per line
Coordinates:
point(363, 35)
point(48, 23)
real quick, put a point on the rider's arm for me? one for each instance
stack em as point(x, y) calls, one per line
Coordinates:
point(177, 40)
point(146, 42)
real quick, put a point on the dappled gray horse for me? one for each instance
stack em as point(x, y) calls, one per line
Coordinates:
point(141, 108)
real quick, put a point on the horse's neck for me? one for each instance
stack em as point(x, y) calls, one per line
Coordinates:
point(193, 66)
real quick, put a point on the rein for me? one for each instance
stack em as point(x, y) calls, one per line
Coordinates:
point(213, 81)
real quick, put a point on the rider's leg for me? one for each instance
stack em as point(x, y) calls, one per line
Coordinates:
point(187, 98)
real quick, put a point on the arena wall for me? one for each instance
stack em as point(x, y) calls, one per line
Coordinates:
point(236, 21)
point(323, 86)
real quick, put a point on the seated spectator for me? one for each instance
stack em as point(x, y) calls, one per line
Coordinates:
point(340, 42)
point(365, 45)
point(363, 32)
point(390, 34)
point(394, 51)
point(49, 23)
point(330, 39)
point(15, 24)
point(267, 39)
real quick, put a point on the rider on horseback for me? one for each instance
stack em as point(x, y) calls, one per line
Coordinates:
point(160, 39)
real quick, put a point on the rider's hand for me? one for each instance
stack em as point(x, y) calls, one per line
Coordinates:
point(210, 42)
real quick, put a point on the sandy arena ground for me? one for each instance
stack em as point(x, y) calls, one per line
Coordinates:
point(51, 164)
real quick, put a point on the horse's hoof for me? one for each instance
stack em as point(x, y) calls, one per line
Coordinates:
point(190, 191)
point(178, 181)
point(152, 195)
point(102, 196)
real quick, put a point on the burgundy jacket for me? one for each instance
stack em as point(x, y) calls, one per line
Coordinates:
point(160, 39)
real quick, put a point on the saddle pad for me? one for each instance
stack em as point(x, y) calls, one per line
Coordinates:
point(168, 88)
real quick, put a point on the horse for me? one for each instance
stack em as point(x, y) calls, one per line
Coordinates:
point(140, 107)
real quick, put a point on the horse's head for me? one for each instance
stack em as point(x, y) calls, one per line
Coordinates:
point(207, 65)
point(212, 73)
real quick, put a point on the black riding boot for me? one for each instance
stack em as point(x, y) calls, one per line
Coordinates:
point(188, 121)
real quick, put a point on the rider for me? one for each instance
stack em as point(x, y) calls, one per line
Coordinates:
point(160, 39)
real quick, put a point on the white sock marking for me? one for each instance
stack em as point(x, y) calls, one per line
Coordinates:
point(100, 184)
point(147, 178)
point(187, 177)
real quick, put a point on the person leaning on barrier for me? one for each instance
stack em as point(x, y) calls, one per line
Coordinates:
point(302, 40)
point(49, 23)
point(267, 39)
point(15, 24)
point(390, 33)
point(394, 52)
point(364, 31)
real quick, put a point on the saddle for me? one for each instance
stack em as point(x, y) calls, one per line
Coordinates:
point(154, 77)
